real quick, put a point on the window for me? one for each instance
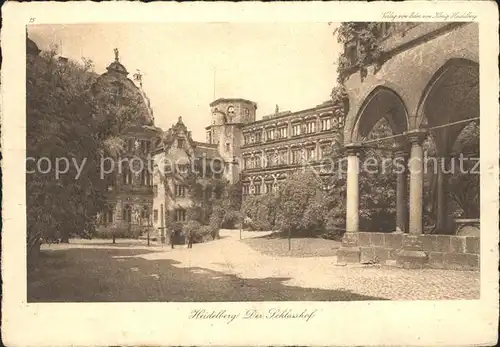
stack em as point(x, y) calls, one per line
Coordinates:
point(282, 132)
point(295, 156)
point(311, 153)
point(270, 134)
point(180, 215)
point(155, 216)
point(258, 161)
point(246, 163)
point(108, 215)
point(257, 189)
point(258, 136)
point(326, 124)
point(246, 189)
point(180, 143)
point(209, 137)
point(228, 147)
point(155, 190)
point(145, 215)
point(130, 145)
point(269, 187)
point(283, 158)
point(180, 191)
point(296, 129)
point(247, 139)
point(126, 174)
point(144, 146)
point(127, 214)
point(310, 127)
point(323, 150)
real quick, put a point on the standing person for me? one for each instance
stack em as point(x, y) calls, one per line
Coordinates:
point(172, 237)
point(189, 237)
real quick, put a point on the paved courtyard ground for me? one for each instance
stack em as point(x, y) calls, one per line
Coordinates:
point(226, 270)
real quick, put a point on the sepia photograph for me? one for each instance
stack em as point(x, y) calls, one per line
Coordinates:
point(141, 188)
point(170, 175)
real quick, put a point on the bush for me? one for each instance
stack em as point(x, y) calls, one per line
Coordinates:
point(191, 227)
point(231, 219)
point(204, 234)
point(260, 212)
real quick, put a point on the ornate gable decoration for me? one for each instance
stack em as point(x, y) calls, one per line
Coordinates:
point(177, 130)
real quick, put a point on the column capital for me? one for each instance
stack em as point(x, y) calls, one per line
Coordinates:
point(352, 149)
point(416, 136)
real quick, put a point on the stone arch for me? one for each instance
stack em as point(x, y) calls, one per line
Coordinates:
point(380, 102)
point(451, 95)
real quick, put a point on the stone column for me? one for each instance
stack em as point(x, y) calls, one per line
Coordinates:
point(416, 166)
point(401, 157)
point(442, 196)
point(412, 255)
point(349, 252)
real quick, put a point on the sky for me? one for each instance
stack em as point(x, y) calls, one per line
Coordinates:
point(185, 66)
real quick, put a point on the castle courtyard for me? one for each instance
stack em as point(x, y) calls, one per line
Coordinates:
point(227, 270)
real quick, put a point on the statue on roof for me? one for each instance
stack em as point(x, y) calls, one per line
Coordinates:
point(277, 109)
point(116, 54)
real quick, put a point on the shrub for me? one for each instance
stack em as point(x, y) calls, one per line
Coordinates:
point(231, 219)
point(191, 227)
point(261, 211)
point(204, 234)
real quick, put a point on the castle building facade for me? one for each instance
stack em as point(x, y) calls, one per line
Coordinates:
point(259, 153)
point(129, 180)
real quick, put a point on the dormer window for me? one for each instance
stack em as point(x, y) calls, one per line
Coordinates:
point(230, 111)
point(180, 143)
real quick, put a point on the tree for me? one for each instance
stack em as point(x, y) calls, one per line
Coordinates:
point(60, 126)
point(66, 118)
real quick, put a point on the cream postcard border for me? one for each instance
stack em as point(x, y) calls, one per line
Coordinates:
point(455, 322)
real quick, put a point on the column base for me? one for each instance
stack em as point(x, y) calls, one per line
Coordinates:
point(349, 252)
point(348, 255)
point(412, 256)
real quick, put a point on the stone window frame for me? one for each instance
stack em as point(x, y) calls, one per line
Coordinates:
point(180, 190)
point(180, 215)
point(296, 128)
point(127, 213)
point(326, 119)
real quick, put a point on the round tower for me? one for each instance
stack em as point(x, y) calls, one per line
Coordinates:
point(228, 116)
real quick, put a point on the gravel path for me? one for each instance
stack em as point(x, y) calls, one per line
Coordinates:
point(233, 257)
